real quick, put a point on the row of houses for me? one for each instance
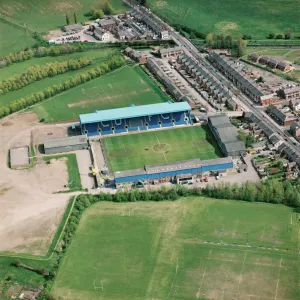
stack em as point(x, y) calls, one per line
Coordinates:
point(226, 135)
point(282, 116)
point(203, 78)
point(289, 153)
point(270, 62)
point(145, 16)
point(138, 56)
point(260, 128)
point(158, 68)
point(250, 88)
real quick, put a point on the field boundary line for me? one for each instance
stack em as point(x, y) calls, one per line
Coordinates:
point(204, 273)
point(277, 285)
point(241, 275)
point(159, 143)
point(227, 274)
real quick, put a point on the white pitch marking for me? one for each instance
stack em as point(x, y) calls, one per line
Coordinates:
point(198, 294)
point(278, 279)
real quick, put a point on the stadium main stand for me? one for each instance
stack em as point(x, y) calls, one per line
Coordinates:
point(135, 118)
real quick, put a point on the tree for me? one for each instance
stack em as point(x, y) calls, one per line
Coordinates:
point(107, 8)
point(75, 18)
point(240, 46)
point(67, 19)
point(279, 37)
point(271, 36)
point(287, 33)
point(98, 13)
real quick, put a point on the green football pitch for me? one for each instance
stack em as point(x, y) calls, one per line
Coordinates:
point(193, 248)
point(119, 88)
point(133, 151)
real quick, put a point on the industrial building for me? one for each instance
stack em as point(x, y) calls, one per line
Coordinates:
point(53, 145)
point(226, 135)
point(179, 172)
point(135, 118)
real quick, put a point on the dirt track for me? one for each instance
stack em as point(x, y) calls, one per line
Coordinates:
point(29, 211)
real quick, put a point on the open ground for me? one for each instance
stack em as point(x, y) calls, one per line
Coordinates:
point(256, 18)
point(133, 151)
point(30, 212)
point(160, 251)
point(119, 88)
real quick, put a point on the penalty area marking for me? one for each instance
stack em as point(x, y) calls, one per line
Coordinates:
point(98, 287)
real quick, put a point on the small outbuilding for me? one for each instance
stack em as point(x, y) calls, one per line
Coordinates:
point(55, 145)
point(19, 157)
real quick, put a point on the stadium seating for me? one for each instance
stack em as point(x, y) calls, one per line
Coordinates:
point(92, 129)
point(143, 127)
point(106, 128)
point(166, 120)
point(119, 126)
point(153, 122)
point(135, 122)
point(179, 118)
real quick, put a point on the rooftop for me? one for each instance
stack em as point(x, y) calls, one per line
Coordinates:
point(173, 166)
point(54, 142)
point(133, 112)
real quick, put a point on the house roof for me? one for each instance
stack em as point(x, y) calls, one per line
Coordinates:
point(107, 22)
point(133, 112)
point(99, 31)
point(168, 50)
point(272, 109)
point(292, 90)
point(72, 27)
point(294, 126)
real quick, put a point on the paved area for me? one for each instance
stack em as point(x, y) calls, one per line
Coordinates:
point(84, 165)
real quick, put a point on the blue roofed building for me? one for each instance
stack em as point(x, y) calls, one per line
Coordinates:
point(180, 171)
point(135, 118)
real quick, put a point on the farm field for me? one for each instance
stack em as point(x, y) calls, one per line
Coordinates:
point(133, 151)
point(43, 15)
point(40, 16)
point(255, 18)
point(97, 57)
point(119, 88)
point(159, 251)
point(15, 40)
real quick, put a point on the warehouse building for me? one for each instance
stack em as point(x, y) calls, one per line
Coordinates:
point(179, 172)
point(226, 135)
point(55, 145)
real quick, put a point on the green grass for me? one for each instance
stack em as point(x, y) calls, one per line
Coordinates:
point(160, 252)
point(129, 151)
point(97, 56)
point(73, 171)
point(257, 18)
point(13, 38)
point(119, 88)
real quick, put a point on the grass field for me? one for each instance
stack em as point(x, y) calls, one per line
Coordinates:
point(140, 251)
point(18, 68)
point(117, 89)
point(257, 18)
point(73, 171)
point(129, 151)
point(40, 16)
point(15, 39)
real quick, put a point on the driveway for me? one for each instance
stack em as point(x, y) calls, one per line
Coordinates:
point(84, 164)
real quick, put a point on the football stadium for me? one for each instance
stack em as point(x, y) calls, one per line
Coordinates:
point(157, 143)
point(135, 118)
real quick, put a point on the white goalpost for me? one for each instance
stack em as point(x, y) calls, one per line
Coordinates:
point(98, 287)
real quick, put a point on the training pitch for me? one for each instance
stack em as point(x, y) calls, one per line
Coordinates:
point(139, 251)
point(133, 151)
point(119, 88)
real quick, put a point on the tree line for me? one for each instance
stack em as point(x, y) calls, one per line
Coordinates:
point(98, 11)
point(38, 72)
point(114, 61)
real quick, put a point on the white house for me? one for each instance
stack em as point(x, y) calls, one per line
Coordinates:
point(101, 35)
